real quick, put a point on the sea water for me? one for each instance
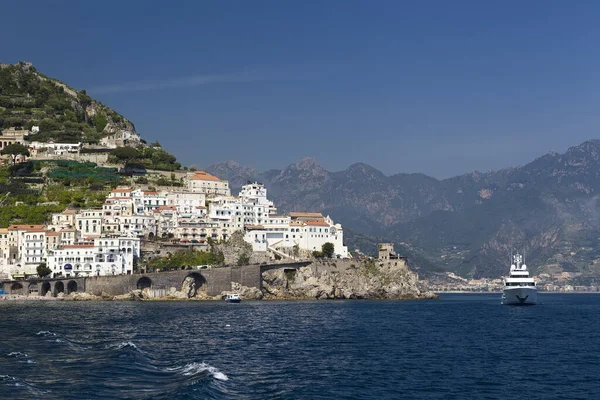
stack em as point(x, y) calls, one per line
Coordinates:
point(458, 347)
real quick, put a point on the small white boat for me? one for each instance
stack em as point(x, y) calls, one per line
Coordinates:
point(519, 287)
point(233, 298)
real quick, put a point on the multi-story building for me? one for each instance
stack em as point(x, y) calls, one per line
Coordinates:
point(147, 200)
point(65, 219)
point(308, 231)
point(68, 236)
point(33, 249)
point(187, 203)
point(105, 256)
point(52, 240)
point(165, 218)
point(136, 225)
point(89, 222)
point(210, 185)
point(198, 230)
point(3, 245)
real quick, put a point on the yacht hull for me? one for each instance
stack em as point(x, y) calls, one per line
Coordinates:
point(520, 296)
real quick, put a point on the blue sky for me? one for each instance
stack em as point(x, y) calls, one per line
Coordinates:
point(439, 87)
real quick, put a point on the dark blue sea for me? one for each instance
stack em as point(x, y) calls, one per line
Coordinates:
point(460, 347)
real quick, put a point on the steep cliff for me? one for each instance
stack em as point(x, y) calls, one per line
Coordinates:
point(391, 280)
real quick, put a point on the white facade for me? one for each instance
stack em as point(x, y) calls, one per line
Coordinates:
point(145, 201)
point(106, 256)
point(57, 149)
point(89, 222)
point(210, 185)
point(187, 202)
point(284, 233)
point(33, 249)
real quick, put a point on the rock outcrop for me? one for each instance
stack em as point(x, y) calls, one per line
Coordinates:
point(391, 280)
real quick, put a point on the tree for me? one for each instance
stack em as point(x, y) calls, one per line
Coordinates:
point(296, 250)
point(328, 249)
point(15, 150)
point(43, 270)
point(125, 154)
point(243, 259)
point(100, 121)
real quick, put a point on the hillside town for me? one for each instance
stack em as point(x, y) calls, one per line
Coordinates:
point(112, 240)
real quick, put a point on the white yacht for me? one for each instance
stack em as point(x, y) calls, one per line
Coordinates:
point(519, 287)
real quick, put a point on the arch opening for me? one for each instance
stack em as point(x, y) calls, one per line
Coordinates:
point(45, 288)
point(71, 287)
point(16, 287)
point(59, 287)
point(144, 283)
point(33, 288)
point(193, 283)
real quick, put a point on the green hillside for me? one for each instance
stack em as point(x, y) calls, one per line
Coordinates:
point(30, 191)
point(63, 114)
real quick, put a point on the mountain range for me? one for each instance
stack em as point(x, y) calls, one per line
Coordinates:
point(466, 224)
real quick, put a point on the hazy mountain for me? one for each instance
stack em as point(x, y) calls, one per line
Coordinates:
point(465, 224)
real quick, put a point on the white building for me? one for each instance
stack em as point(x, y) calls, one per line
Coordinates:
point(89, 222)
point(3, 244)
point(33, 249)
point(165, 218)
point(54, 149)
point(210, 185)
point(187, 202)
point(65, 219)
point(105, 256)
point(286, 232)
point(144, 201)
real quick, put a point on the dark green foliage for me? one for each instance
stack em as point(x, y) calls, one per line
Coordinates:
point(43, 270)
point(149, 157)
point(243, 259)
point(185, 258)
point(328, 249)
point(15, 150)
point(100, 121)
point(26, 214)
point(125, 154)
point(75, 173)
point(27, 98)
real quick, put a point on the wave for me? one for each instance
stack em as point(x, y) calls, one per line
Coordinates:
point(122, 345)
point(21, 356)
point(195, 368)
point(17, 354)
point(46, 333)
point(20, 383)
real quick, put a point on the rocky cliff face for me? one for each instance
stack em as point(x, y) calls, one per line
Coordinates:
point(345, 280)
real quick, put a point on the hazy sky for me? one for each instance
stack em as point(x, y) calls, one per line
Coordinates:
point(439, 87)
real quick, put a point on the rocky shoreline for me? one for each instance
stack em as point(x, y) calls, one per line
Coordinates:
point(333, 280)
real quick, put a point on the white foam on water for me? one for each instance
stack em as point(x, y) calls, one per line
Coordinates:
point(122, 345)
point(196, 368)
point(46, 333)
point(17, 354)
